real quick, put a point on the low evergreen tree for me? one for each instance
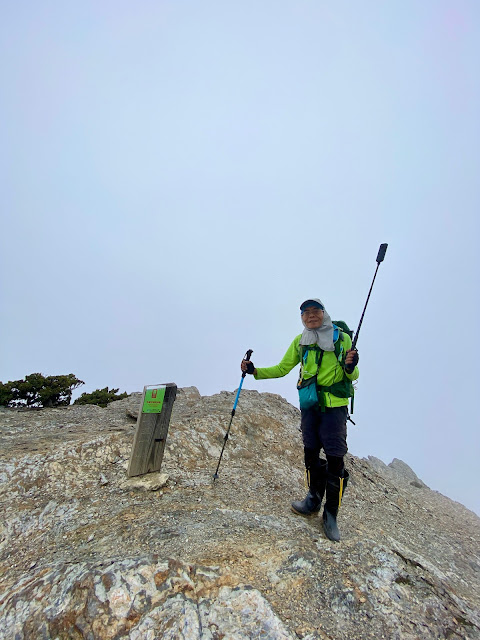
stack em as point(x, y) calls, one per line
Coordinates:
point(37, 390)
point(101, 397)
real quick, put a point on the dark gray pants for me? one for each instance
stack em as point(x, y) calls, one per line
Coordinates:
point(328, 431)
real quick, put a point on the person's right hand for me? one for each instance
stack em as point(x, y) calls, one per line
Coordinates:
point(248, 367)
point(351, 360)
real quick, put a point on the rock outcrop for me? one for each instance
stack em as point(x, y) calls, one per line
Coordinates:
point(397, 471)
point(86, 553)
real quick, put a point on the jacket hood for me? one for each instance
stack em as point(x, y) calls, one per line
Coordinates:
point(323, 336)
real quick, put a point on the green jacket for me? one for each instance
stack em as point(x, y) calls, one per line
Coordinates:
point(330, 370)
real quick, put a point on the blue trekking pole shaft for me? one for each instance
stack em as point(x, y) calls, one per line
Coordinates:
point(380, 258)
point(238, 393)
point(247, 357)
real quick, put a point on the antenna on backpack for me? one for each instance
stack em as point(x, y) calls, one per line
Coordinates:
point(380, 257)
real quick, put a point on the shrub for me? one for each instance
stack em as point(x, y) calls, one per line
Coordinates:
point(100, 397)
point(37, 390)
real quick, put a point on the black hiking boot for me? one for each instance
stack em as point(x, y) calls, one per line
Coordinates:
point(335, 489)
point(330, 525)
point(312, 502)
point(308, 506)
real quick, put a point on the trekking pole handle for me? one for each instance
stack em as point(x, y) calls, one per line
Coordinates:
point(247, 357)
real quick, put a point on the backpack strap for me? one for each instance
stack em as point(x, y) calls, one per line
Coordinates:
point(344, 388)
point(338, 346)
point(304, 349)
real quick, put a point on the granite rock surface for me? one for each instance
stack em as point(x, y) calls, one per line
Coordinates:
point(87, 553)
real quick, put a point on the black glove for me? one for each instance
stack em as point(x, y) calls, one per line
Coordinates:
point(250, 367)
point(349, 368)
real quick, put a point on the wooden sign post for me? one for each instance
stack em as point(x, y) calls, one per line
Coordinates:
point(152, 429)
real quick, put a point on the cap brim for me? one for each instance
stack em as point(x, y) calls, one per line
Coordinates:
point(310, 303)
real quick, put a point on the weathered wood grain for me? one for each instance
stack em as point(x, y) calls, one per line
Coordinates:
point(151, 436)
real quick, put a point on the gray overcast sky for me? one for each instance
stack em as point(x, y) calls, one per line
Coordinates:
point(176, 177)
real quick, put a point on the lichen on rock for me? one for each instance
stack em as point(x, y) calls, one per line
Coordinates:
point(85, 554)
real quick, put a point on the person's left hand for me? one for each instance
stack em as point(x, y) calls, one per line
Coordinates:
point(351, 360)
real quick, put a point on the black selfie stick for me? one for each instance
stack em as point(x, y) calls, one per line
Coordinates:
point(380, 257)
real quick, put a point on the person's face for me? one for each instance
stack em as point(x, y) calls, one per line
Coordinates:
point(312, 317)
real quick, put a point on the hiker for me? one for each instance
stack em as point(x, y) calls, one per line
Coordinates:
point(327, 367)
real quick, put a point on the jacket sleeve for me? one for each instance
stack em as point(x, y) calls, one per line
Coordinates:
point(286, 364)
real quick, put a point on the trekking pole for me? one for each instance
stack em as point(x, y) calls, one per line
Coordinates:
point(380, 257)
point(246, 357)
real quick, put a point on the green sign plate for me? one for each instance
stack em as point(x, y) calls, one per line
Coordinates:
point(153, 400)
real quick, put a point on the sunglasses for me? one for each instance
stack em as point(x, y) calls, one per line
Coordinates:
point(313, 311)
